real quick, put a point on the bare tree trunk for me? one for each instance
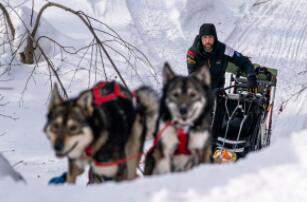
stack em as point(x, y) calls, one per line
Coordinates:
point(27, 56)
point(28, 53)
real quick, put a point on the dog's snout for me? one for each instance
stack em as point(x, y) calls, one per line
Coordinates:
point(59, 145)
point(183, 110)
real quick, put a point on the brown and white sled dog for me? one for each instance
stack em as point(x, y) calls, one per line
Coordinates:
point(183, 124)
point(102, 127)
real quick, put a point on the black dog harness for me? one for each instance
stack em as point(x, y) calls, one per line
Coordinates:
point(105, 92)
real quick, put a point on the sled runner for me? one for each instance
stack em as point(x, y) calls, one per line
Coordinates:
point(242, 121)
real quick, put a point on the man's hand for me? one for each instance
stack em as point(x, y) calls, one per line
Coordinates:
point(252, 84)
point(253, 90)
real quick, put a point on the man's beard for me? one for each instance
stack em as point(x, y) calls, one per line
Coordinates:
point(208, 48)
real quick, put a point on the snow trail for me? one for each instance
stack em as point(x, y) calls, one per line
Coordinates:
point(275, 39)
point(275, 34)
point(158, 29)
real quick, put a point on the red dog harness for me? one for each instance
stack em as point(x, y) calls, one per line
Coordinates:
point(183, 138)
point(100, 97)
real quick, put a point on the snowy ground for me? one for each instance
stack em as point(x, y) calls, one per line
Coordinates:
point(272, 32)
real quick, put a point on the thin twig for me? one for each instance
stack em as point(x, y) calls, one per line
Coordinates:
point(90, 69)
point(259, 3)
point(9, 117)
point(103, 66)
point(6, 88)
point(290, 97)
point(27, 82)
point(17, 163)
point(32, 13)
point(96, 62)
point(79, 63)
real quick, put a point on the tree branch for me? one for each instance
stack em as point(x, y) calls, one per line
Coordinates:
point(85, 20)
point(8, 19)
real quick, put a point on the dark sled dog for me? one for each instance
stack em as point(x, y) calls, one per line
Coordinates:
point(104, 127)
point(183, 128)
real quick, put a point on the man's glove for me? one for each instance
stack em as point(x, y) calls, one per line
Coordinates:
point(252, 84)
point(58, 180)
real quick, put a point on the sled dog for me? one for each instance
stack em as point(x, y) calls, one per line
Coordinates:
point(183, 127)
point(104, 127)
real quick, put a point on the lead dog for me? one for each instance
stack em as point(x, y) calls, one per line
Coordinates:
point(101, 127)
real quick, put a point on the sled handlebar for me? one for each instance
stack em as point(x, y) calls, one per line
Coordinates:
point(242, 95)
point(217, 90)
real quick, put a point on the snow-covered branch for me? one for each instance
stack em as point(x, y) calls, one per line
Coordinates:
point(34, 43)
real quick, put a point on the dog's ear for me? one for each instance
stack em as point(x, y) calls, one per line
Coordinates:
point(168, 73)
point(55, 99)
point(203, 75)
point(85, 102)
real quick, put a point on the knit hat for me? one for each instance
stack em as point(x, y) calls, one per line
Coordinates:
point(207, 29)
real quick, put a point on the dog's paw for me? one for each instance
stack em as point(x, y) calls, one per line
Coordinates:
point(163, 167)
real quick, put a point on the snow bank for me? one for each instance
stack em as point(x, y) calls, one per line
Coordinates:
point(277, 174)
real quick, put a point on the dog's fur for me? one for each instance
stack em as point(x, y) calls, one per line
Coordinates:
point(115, 130)
point(186, 101)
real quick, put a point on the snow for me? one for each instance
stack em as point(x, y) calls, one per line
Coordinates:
point(272, 32)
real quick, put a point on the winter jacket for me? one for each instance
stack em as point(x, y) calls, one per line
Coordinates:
point(217, 61)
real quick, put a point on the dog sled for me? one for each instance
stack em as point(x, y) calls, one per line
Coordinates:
point(242, 121)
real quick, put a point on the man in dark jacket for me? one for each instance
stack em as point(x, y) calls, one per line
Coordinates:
point(208, 50)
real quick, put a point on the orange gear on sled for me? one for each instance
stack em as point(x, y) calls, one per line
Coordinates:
point(224, 155)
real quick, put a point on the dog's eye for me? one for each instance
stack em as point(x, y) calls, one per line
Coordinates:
point(192, 94)
point(73, 129)
point(55, 126)
point(175, 94)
